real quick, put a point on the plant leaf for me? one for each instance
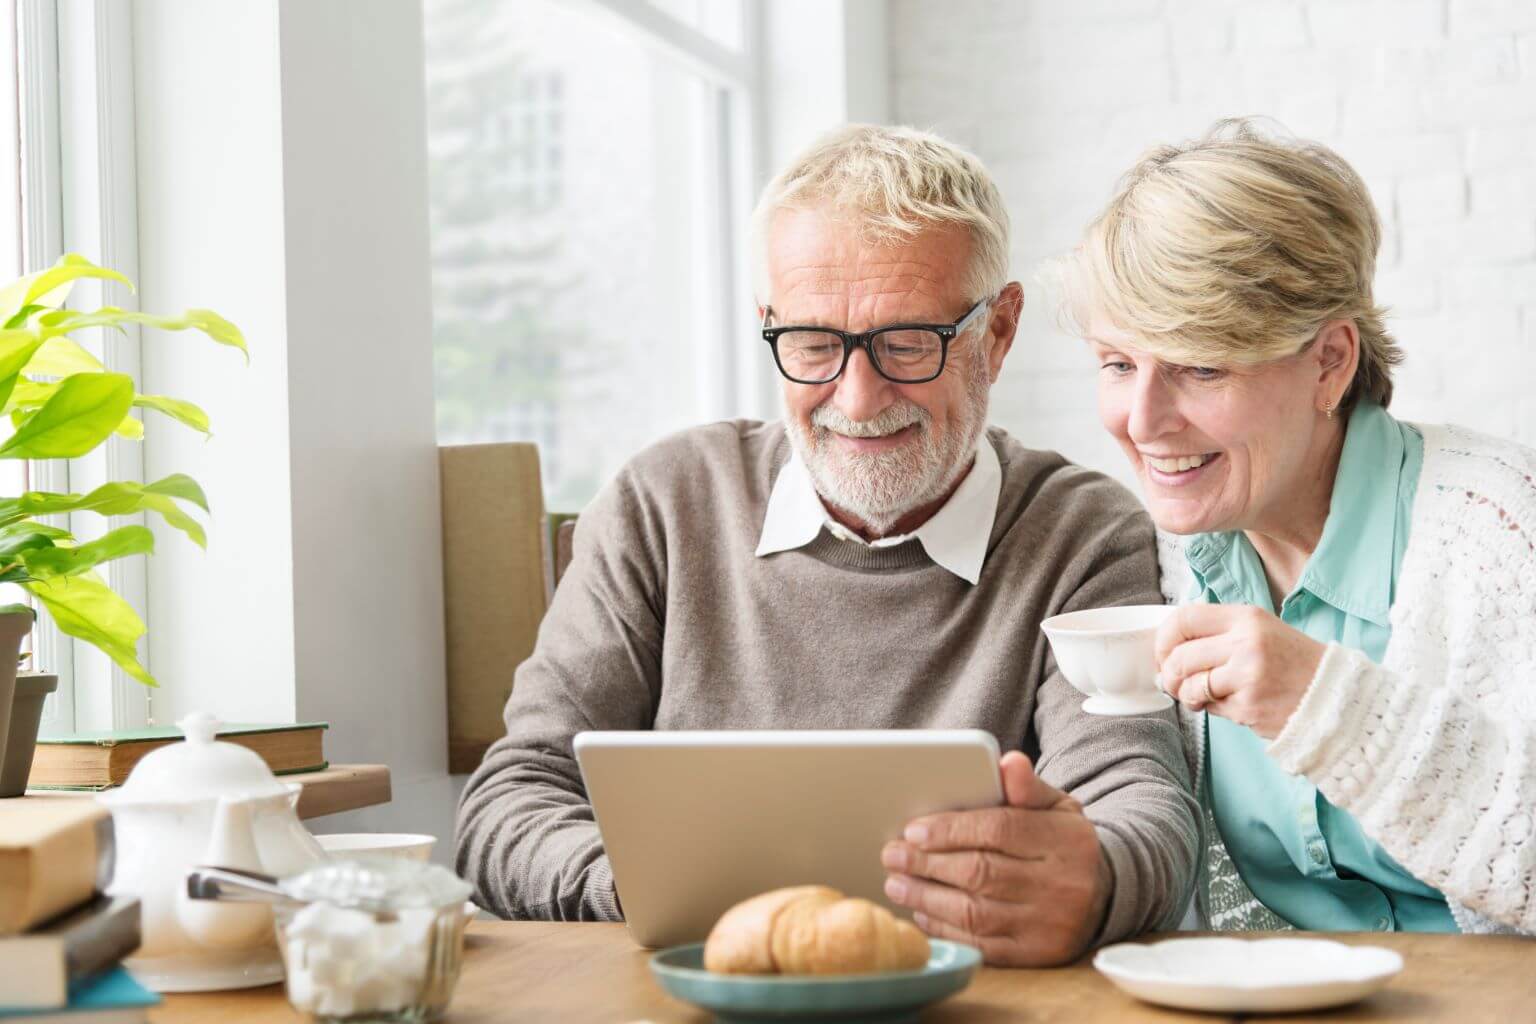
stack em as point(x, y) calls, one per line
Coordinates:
point(131, 429)
point(28, 540)
point(52, 561)
point(61, 357)
point(179, 485)
point(206, 320)
point(29, 394)
point(174, 516)
point(86, 608)
point(119, 498)
point(177, 409)
point(81, 414)
point(19, 318)
point(17, 348)
point(51, 287)
point(25, 526)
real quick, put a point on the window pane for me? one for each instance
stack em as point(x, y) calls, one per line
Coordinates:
point(577, 267)
point(28, 192)
point(10, 153)
point(718, 19)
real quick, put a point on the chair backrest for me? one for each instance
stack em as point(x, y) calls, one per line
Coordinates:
point(497, 576)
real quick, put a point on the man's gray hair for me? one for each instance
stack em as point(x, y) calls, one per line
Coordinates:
point(894, 182)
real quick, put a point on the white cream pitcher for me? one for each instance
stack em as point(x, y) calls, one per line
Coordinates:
point(204, 802)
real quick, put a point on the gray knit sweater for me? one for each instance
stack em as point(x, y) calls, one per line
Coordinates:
point(667, 620)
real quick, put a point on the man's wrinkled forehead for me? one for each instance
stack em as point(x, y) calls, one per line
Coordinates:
point(813, 256)
point(871, 274)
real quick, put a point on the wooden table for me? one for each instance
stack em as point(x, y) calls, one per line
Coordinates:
point(341, 787)
point(573, 973)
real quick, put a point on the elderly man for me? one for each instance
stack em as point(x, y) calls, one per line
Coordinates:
point(878, 560)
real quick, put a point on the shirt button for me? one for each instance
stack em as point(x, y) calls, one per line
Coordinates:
point(1383, 924)
point(1318, 857)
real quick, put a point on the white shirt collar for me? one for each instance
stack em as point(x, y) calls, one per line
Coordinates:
point(955, 536)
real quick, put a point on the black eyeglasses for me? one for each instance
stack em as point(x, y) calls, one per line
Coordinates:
point(901, 353)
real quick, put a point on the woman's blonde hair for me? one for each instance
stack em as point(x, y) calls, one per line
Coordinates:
point(894, 183)
point(1233, 250)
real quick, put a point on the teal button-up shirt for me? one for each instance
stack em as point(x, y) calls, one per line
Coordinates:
point(1306, 859)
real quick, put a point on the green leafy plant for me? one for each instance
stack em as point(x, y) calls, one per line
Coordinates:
point(63, 403)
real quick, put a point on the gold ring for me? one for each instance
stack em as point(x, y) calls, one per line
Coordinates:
point(1206, 685)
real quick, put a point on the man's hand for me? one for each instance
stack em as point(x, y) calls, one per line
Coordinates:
point(1236, 661)
point(1026, 883)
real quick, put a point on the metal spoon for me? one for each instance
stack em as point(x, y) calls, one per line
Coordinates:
point(235, 885)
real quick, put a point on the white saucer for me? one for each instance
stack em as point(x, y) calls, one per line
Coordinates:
point(1248, 975)
point(1102, 705)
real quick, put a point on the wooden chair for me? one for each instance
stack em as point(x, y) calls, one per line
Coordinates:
point(502, 556)
point(498, 572)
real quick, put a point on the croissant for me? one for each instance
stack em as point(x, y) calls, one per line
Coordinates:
point(811, 929)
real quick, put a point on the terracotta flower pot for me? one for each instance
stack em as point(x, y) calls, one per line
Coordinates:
point(18, 716)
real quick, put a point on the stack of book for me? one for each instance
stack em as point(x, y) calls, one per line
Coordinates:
point(100, 760)
point(61, 940)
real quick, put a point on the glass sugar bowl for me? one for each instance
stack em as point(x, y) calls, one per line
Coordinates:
point(374, 939)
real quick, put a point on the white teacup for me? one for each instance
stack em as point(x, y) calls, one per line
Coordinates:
point(398, 844)
point(1109, 654)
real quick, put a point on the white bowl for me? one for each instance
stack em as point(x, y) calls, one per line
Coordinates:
point(399, 844)
point(1110, 655)
point(1248, 975)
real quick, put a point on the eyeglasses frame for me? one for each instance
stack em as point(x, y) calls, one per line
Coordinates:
point(851, 340)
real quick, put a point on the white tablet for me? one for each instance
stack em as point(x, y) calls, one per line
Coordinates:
point(694, 822)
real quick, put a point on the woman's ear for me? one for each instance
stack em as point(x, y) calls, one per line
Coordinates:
point(1337, 352)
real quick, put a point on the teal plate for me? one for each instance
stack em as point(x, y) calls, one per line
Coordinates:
point(845, 999)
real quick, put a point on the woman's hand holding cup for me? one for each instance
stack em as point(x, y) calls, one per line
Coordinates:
point(1236, 661)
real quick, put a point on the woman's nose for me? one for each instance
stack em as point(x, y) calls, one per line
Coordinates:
point(1154, 413)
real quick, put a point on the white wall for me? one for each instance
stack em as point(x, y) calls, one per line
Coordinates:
point(1434, 101)
point(210, 215)
point(825, 62)
point(283, 183)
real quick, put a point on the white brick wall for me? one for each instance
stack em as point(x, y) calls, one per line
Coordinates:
point(1434, 101)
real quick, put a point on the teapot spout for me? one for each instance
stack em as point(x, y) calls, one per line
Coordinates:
point(232, 845)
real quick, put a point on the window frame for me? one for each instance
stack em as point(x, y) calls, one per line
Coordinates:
point(735, 383)
point(729, 156)
point(79, 194)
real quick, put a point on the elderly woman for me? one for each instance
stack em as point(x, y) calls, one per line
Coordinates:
point(1358, 654)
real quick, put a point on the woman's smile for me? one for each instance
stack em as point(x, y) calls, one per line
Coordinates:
point(1178, 470)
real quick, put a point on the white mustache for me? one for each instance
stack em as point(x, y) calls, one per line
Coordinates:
point(890, 420)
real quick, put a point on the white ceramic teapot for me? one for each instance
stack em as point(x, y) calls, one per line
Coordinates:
point(204, 802)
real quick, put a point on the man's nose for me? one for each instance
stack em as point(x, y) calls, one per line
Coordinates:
point(1154, 413)
point(862, 394)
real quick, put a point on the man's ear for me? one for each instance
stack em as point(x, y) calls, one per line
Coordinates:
point(1003, 325)
point(1337, 352)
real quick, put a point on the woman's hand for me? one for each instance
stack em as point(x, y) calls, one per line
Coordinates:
point(1236, 661)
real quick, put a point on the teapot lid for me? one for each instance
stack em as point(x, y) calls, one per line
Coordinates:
point(199, 768)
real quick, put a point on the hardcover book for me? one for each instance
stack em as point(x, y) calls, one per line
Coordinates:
point(99, 760)
point(55, 853)
point(111, 998)
point(39, 968)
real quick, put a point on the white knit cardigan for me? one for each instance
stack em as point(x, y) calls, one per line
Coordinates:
point(1434, 750)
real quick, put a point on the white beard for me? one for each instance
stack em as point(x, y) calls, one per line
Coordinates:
point(879, 488)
